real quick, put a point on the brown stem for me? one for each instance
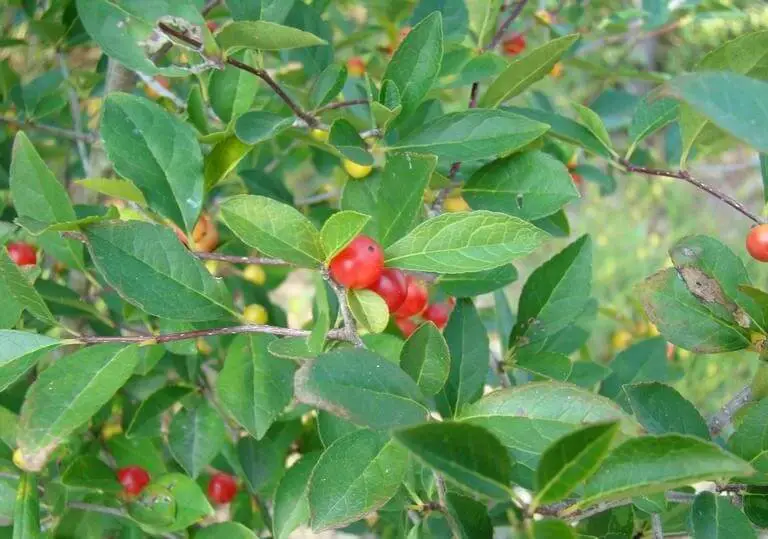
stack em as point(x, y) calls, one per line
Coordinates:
point(350, 326)
point(516, 11)
point(686, 176)
point(261, 73)
point(341, 105)
point(335, 334)
point(443, 507)
point(723, 418)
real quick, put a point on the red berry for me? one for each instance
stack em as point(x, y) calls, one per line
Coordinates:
point(406, 325)
point(757, 243)
point(222, 488)
point(23, 254)
point(415, 299)
point(133, 479)
point(514, 45)
point(391, 286)
point(438, 313)
point(359, 264)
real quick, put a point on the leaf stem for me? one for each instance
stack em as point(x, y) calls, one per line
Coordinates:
point(686, 176)
point(723, 418)
point(516, 11)
point(310, 120)
point(658, 530)
point(340, 105)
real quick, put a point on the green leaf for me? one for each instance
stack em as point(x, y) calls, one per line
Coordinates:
point(226, 530)
point(526, 419)
point(154, 508)
point(19, 351)
point(652, 113)
point(274, 228)
point(549, 528)
point(196, 110)
point(415, 65)
point(158, 152)
point(254, 386)
point(472, 134)
point(264, 35)
point(426, 358)
point(714, 517)
point(232, 91)
point(454, 15)
point(643, 361)
point(559, 367)
point(465, 285)
point(529, 185)
point(524, 70)
point(661, 409)
point(714, 274)
point(223, 159)
point(750, 440)
point(259, 125)
point(468, 345)
point(26, 512)
point(191, 503)
point(321, 316)
point(362, 387)
point(483, 15)
point(565, 129)
point(356, 475)
point(67, 394)
point(123, 29)
point(684, 320)
point(400, 200)
point(595, 124)
point(261, 461)
point(88, 472)
point(744, 55)
point(344, 137)
point(146, 421)
point(291, 506)
point(147, 264)
point(21, 291)
point(327, 85)
point(466, 454)
point(764, 174)
point(464, 242)
point(37, 194)
point(554, 295)
point(572, 459)
point(37, 228)
point(369, 309)
point(291, 348)
point(340, 229)
point(195, 437)
point(653, 464)
point(704, 92)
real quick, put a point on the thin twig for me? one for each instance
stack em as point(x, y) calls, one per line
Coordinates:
point(498, 368)
point(310, 120)
point(516, 11)
point(234, 259)
point(341, 105)
point(587, 512)
point(350, 326)
point(335, 334)
point(723, 418)
point(50, 129)
point(686, 176)
point(314, 199)
point(443, 497)
point(656, 527)
point(76, 113)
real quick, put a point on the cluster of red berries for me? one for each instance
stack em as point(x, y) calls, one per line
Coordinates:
point(221, 487)
point(361, 265)
point(22, 254)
